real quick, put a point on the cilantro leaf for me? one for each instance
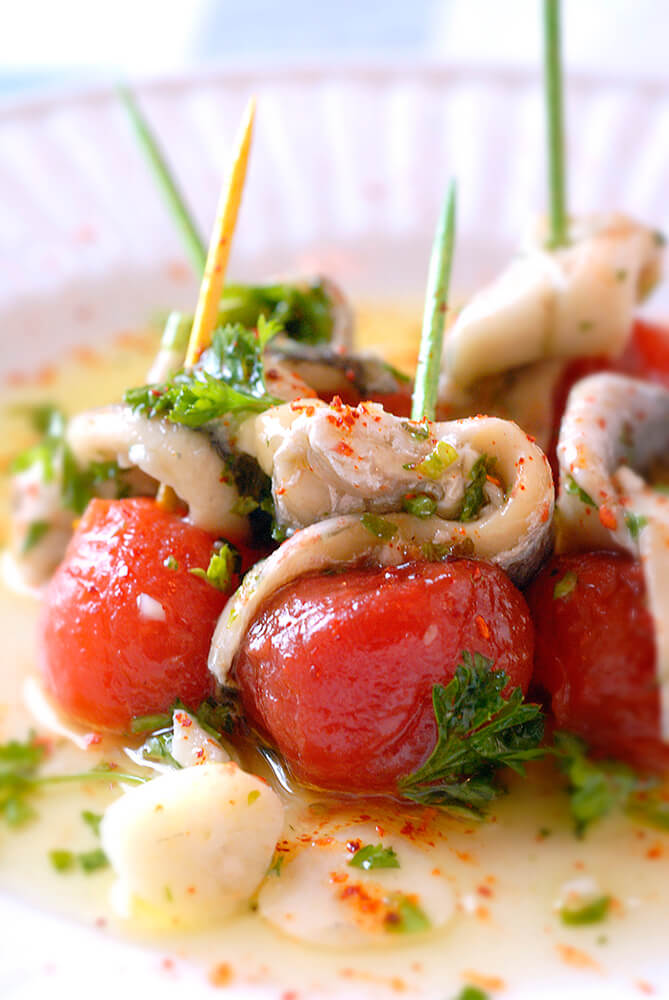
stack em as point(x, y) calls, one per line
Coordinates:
point(475, 498)
point(571, 486)
point(56, 462)
point(228, 378)
point(305, 313)
point(370, 857)
point(599, 787)
point(406, 916)
point(479, 731)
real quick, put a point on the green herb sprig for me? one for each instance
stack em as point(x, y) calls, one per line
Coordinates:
point(228, 379)
point(554, 124)
point(176, 203)
point(424, 399)
point(479, 732)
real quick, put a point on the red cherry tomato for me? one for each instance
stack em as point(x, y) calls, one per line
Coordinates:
point(647, 354)
point(339, 669)
point(595, 655)
point(122, 633)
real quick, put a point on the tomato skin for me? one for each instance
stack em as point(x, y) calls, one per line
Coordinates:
point(101, 659)
point(339, 669)
point(595, 656)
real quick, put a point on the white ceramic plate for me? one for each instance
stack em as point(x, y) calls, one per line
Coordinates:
point(348, 171)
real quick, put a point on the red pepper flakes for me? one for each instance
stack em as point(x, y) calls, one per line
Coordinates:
point(344, 449)
point(353, 846)
point(483, 627)
point(221, 974)
point(485, 982)
point(608, 518)
point(655, 851)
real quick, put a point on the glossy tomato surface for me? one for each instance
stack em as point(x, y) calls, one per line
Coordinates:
point(595, 654)
point(123, 633)
point(339, 669)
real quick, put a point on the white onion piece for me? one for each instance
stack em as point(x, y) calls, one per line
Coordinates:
point(191, 846)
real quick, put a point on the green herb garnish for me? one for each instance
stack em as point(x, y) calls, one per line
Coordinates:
point(579, 913)
point(572, 487)
point(565, 585)
point(34, 535)
point(479, 732)
point(193, 243)
point(406, 917)
point(92, 820)
point(475, 498)
point(419, 504)
point(379, 526)
point(228, 379)
point(170, 563)
point(424, 399)
point(61, 860)
point(635, 522)
point(471, 993)
point(554, 124)
point(223, 565)
point(92, 861)
point(370, 857)
point(440, 458)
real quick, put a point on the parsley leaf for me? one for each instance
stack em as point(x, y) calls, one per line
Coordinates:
point(597, 788)
point(571, 486)
point(479, 731)
point(406, 916)
point(370, 857)
point(635, 522)
point(305, 312)
point(419, 504)
point(475, 497)
point(379, 526)
point(52, 454)
point(228, 378)
point(592, 911)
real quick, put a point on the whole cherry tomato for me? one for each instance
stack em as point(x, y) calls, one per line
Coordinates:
point(339, 669)
point(595, 654)
point(126, 626)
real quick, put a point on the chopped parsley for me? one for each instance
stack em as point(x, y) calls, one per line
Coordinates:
point(635, 522)
point(61, 859)
point(579, 913)
point(419, 504)
point(597, 788)
point(370, 857)
point(471, 993)
point(571, 486)
point(92, 861)
point(406, 916)
point(276, 866)
point(223, 565)
point(92, 820)
point(475, 497)
point(228, 378)
point(479, 731)
point(418, 431)
point(305, 313)
point(218, 718)
point(34, 535)
point(170, 563)
point(565, 585)
point(379, 526)
point(57, 463)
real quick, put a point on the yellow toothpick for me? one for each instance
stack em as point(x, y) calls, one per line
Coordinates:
point(211, 287)
point(219, 246)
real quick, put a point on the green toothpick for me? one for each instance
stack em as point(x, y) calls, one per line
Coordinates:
point(193, 244)
point(554, 124)
point(424, 399)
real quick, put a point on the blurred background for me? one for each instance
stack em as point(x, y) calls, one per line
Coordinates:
point(76, 42)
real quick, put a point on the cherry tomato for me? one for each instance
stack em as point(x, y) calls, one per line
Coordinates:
point(595, 654)
point(339, 669)
point(647, 354)
point(126, 627)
